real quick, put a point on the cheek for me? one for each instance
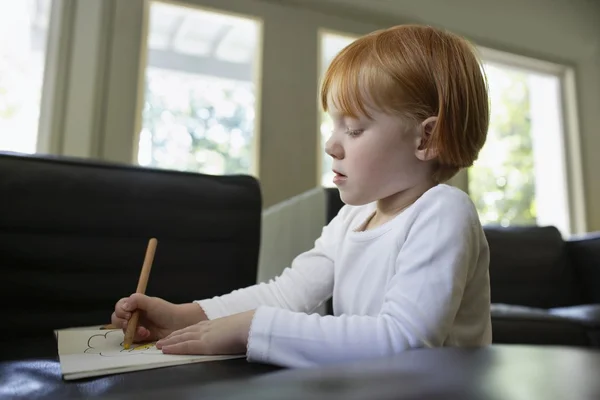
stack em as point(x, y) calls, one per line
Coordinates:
point(367, 158)
point(383, 156)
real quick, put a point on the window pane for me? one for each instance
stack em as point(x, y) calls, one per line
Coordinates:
point(200, 93)
point(519, 176)
point(22, 59)
point(331, 44)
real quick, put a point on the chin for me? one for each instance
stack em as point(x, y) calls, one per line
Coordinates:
point(353, 199)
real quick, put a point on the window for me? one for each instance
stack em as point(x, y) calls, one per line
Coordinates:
point(22, 59)
point(520, 176)
point(200, 91)
point(331, 45)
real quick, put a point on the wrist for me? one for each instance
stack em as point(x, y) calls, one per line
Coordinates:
point(247, 324)
point(193, 313)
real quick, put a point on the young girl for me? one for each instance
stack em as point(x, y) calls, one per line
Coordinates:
point(406, 259)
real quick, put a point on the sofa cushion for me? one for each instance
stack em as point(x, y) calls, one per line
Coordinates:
point(334, 203)
point(530, 266)
point(528, 325)
point(586, 314)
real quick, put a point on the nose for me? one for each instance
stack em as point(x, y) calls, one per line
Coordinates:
point(334, 148)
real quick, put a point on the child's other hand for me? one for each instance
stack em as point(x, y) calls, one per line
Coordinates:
point(227, 335)
point(158, 318)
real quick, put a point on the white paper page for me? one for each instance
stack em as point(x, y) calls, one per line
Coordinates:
point(93, 352)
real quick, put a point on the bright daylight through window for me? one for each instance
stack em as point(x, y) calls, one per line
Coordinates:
point(200, 94)
point(519, 178)
point(24, 31)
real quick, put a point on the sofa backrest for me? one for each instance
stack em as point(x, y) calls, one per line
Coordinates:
point(530, 266)
point(73, 236)
point(334, 203)
point(584, 253)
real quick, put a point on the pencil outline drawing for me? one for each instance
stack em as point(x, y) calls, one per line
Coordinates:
point(101, 348)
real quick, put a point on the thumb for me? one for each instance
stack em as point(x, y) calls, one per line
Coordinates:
point(137, 301)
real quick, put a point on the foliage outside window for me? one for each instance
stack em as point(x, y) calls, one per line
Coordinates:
point(199, 96)
point(502, 180)
point(197, 123)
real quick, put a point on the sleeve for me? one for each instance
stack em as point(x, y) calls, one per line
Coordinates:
point(302, 287)
point(419, 307)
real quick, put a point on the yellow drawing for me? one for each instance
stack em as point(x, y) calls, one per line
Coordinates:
point(143, 346)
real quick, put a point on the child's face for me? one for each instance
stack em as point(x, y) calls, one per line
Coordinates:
point(374, 158)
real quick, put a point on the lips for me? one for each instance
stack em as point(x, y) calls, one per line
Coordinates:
point(338, 178)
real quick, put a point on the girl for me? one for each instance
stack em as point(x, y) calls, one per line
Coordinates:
point(406, 259)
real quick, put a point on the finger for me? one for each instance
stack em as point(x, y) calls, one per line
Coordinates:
point(116, 321)
point(142, 334)
point(121, 302)
point(137, 301)
point(189, 347)
point(184, 337)
point(176, 334)
point(122, 314)
point(192, 328)
point(120, 311)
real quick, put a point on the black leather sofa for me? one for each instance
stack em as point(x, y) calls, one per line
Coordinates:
point(73, 235)
point(545, 290)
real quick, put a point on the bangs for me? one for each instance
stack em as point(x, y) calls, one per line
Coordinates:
point(356, 82)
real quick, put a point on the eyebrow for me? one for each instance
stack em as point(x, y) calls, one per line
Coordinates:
point(343, 115)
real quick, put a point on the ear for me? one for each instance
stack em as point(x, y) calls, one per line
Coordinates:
point(425, 151)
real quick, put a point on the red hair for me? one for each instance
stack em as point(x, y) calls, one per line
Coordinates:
point(417, 72)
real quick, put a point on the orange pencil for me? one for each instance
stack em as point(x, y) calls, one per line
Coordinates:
point(132, 325)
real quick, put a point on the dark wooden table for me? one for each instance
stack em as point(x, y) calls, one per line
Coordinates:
point(497, 373)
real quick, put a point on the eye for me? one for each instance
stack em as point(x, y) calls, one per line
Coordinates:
point(354, 132)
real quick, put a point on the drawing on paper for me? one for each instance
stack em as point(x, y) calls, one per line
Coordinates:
point(109, 344)
point(93, 352)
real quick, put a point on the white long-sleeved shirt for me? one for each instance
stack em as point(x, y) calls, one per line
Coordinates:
point(419, 280)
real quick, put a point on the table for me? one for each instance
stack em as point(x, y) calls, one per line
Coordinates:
point(41, 379)
point(497, 372)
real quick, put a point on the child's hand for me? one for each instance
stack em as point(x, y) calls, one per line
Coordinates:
point(158, 318)
point(227, 335)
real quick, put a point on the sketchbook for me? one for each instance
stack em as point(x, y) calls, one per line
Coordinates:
point(86, 353)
